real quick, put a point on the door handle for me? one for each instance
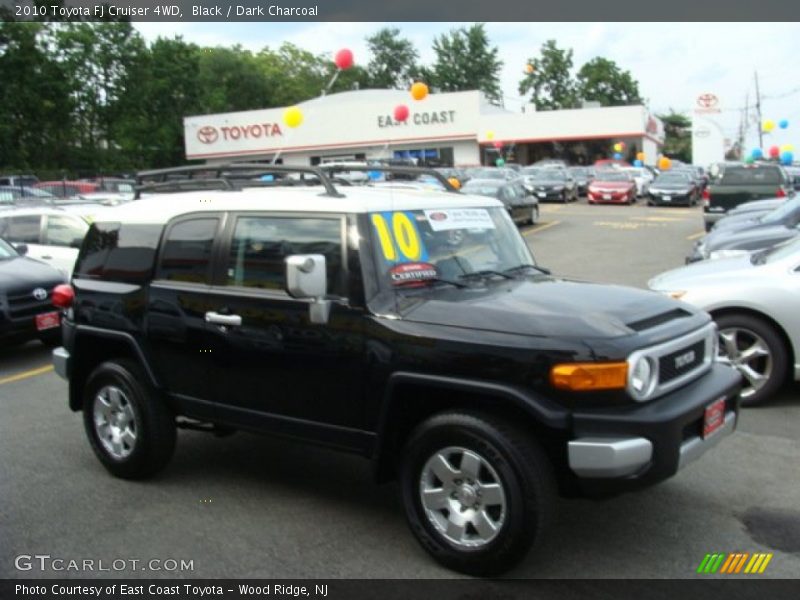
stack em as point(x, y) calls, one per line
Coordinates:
point(47, 257)
point(218, 319)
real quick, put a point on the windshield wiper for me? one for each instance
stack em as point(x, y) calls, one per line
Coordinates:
point(759, 258)
point(457, 284)
point(484, 273)
point(527, 266)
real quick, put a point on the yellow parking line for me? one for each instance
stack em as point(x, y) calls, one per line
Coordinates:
point(542, 228)
point(26, 374)
point(694, 236)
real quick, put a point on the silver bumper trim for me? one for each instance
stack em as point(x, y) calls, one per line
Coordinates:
point(61, 362)
point(694, 448)
point(608, 457)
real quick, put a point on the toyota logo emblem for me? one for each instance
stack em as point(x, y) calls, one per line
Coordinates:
point(207, 134)
point(40, 294)
point(707, 100)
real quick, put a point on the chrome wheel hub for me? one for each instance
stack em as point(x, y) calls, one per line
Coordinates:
point(463, 497)
point(115, 421)
point(749, 354)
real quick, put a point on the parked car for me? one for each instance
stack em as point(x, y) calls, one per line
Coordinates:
point(641, 178)
point(23, 196)
point(551, 185)
point(547, 163)
point(754, 299)
point(492, 173)
point(753, 208)
point(606, 163)
point(612, 186)
point(757, 235)
point(785, 211)
point(18, 180)
point(67, 189)
point(735, 184)
point(25, 291)
point(673, 189)
point(347, 318)
point(52, 235)
point(522, 206)
point(583, 177)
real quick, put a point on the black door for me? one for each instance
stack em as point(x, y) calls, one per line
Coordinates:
point(178, 300)
point(272, 368)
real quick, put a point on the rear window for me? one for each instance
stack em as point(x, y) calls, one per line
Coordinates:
point(752, 176)
point(116, 252)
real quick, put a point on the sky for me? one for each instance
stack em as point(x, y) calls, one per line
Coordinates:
point(673, 62)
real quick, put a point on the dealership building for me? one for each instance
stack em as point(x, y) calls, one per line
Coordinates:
point(458, 129)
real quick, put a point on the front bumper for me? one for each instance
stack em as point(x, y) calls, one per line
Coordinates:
point(61, 362)
point(549, 195)
point(625, 448)
point(674, 199)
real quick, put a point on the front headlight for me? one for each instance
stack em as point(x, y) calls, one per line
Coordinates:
point(726, 254)
point(642, 377)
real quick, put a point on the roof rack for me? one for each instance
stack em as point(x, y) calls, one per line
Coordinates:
point(233, 175)
point(226, 176)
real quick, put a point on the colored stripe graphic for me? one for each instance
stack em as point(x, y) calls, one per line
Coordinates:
point(734, 562)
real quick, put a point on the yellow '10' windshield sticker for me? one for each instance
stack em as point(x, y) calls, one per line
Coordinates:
point(399, 237)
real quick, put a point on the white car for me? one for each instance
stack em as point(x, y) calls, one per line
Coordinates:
point(755, 301)
point(642, 177)
point(52, 235)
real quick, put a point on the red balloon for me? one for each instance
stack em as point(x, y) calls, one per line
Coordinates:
point(774, 152)
point(344, 59)
point(400, 112)
point(498, 145)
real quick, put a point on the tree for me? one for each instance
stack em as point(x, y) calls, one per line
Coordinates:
point(677, 135)
point(550, 81)
point(394, 60)
point(465, 61)
point(601, 80)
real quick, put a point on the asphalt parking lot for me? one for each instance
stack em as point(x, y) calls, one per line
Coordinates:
point(246, 506)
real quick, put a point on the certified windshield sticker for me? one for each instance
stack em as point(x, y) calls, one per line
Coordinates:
point(459, 218)
point(399, 237)
point(412, 274)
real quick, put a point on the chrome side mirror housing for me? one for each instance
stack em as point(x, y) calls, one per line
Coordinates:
point(306, 278)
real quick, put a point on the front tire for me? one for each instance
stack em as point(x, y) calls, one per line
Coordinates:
point(534, 215)
point(756, 350)
point(130, 430)
point(477, 491)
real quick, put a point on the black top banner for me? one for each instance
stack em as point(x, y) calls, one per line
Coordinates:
point(404, 10)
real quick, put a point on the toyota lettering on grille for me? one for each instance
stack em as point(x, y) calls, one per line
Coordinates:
point(684, 359)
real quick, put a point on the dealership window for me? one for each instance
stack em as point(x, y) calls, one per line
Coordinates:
point(187, 251)
point(260, 246)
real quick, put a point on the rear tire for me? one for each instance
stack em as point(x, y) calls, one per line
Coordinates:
point(131, 431)
point(477, 491)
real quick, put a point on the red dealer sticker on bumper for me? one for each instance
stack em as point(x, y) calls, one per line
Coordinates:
point(47, 320)
point(714, 417)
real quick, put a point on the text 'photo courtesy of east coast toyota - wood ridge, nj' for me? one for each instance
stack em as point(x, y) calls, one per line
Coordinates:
point(293, 304)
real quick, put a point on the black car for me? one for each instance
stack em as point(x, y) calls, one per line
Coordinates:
point(348, 317)
point(26, 286)
point(583, 177)
point(522, 206)
point(551, 184)
point(673, 188)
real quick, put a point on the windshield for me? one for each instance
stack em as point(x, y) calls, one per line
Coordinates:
point(674, 178)
point(785, 209)
point(6, 251)
point(612, 176)
point(416, 248)
point(548, 175)
point(481, 188)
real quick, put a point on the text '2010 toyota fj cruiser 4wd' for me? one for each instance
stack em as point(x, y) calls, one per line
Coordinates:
point(411, 327)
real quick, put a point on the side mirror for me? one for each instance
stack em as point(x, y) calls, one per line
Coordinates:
point(529, 189)
point(306, 278)
point(22, 249)
point(76, 243)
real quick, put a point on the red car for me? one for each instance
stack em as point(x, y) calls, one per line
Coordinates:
point(614, 187)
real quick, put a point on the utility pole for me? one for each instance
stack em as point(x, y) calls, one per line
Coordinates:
point(744, 124)
point(758, 113)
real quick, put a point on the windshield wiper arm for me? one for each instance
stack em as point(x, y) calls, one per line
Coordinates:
point(527, 266)
point(484, 273)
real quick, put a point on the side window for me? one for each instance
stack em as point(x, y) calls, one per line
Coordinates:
point(64, 231)
point(187, 251)
point(260, 245)
point(21, 229)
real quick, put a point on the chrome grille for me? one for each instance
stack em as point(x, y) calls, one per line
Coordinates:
point(23, 304)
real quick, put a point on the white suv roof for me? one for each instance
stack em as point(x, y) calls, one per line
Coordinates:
point(160, 208)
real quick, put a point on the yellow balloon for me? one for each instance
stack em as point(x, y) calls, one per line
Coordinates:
point(455, 182)
point(787, 148)
point(664, 163)
point(640, 156)
point(490, 135)
point(419, 91)
point(617, 147)
point(769, 125)
point(293, 116)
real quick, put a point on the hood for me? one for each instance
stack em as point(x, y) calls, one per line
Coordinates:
point(737, 222)
point(547, 183)
point(702, 273)
point(23, 274)
point(541, 306)
point(749, 238)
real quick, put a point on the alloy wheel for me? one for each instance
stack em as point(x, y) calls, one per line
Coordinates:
point(115, 421)
point(750, 354)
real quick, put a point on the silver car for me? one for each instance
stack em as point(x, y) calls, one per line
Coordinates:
point(755, 300)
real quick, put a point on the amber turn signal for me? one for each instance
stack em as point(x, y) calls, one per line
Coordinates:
point(589, 376)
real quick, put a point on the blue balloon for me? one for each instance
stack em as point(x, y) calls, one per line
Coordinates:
point(757, 153)
point(783, 123)
point(787, 158)
point(637, 163)
point(617, 156)
point(375, 175)
point(267, 178)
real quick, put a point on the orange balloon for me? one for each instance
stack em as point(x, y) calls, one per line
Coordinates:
point(640, 156)
point(529, 68)
point(419, 91)
point(664, 163)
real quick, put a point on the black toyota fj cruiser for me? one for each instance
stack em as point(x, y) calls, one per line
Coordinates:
point(411, 327)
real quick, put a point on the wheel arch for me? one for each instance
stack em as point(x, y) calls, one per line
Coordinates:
point(411, 398)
